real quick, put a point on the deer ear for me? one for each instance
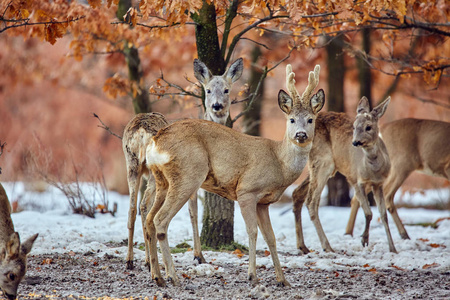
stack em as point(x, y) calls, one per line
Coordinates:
point(235, 70)
point(2, 254)
point(201, 71)
point(363, 106)
point(285, 102)
point(13, 245)
point(25, 247)
point(317, 101)
point(379, 111)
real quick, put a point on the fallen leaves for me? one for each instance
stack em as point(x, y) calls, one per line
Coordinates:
point(238, 253)
point(429, 266)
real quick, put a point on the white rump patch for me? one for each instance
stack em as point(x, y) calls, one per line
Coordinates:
point(154, 156)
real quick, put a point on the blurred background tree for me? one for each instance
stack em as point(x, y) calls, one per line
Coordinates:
point(140, 51)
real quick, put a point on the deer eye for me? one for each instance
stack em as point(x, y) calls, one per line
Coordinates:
point(368, 128)
point(11, 276)
point(208, 91)
point(292, 120)
point(226, 91)
point(310, 121)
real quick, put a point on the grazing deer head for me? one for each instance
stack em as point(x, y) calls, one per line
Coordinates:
point(13, 254)
point(217, 89)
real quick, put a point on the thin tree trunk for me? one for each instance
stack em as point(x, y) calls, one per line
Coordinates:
point(365, 81)
point(252, 119)
point(338, 189)
point(218, 214)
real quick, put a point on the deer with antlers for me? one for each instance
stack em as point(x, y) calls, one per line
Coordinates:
point(357, 152)
point(253, 171)
point(13, 253)
point(412, 144)
point(142, 127)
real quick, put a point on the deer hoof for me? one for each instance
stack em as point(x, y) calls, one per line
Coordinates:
point(200, 259)
point(283, 283)
point(303, 250)
point(160, 282)
point(130, 265)
point(405, 236)
point(253, 279)
point(173, 280)
point(148, 266)
point(365, 241)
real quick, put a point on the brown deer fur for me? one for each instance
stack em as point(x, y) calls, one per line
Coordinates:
point(142, 127)
point(413, 145)
point(251, 170)
point(13, 254)
point(365, 164)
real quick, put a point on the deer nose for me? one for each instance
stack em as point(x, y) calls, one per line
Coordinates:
point(217, 106)
point(356, 143)
point(301, 135)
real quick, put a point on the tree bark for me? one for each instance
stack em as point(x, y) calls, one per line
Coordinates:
point(365, 80)
point(140, 98)
point(218, 213)
point(252, 119)
point(338, 189)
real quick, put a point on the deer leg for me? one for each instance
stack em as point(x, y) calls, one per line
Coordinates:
point(134, 180)
point(352, 218)
point(316, 186)
point(378, 195)
point(298, 197)
point(151, 236)
point(145, 206)
point(247, 204)
point(266, 229)
point(360, 194)
point(193, 213)
point(177, 195)
point(392, 184)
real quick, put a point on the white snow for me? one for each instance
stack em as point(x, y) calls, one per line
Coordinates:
point(61, 231)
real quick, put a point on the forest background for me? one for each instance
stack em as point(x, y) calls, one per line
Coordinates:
point(63, 61)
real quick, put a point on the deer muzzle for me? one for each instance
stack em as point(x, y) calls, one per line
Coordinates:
point(217, 107)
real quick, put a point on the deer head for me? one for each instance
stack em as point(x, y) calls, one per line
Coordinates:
point(365, 127)
point(13, 263)
point(217, 89)
point(301, 111)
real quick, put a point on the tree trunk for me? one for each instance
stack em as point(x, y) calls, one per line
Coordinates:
point(338, 189)
point(252, 119)
point(140, 98)
point(365, 80)
point(218, 214)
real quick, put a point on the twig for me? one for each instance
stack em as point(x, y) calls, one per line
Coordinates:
point(106, 127)
point(258, 87)
point(1, 152)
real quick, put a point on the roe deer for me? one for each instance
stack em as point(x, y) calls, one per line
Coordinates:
point(412, 144)
point(365, 165)
point(253, 171)
point(142, 127)
point(13, 254)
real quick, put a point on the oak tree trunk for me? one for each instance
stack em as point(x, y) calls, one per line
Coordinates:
point(218, 213)
point(338, 189)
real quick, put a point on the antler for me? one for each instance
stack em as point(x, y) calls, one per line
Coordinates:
point(290, 83)
point(313, 82)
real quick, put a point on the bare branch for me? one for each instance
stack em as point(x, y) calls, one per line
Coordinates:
point(431, 101)
point(26, 22)
point(258, 87)
point(106, 127)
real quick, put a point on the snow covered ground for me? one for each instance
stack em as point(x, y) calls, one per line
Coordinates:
point(61, 231)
